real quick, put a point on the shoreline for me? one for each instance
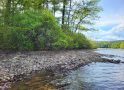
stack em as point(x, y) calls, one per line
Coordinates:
point(16, 65)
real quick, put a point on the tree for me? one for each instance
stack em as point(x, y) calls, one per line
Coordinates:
point(69, 11)
point(30, 24)
point(122, 45)
point(55, 6)
point(85, 13)
point(76, 14)
point(7, 12)
point(63, 12)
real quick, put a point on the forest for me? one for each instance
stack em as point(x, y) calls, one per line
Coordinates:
point(111, 44)
point(47, 24)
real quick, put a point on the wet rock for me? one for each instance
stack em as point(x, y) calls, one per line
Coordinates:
point(111, 60)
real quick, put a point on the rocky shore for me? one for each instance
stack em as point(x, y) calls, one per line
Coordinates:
point(14, 65)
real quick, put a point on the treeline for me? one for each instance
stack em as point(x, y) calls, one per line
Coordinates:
point(46, 24)
point(111, 44)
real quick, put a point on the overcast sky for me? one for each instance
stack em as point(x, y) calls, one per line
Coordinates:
point(111, 23)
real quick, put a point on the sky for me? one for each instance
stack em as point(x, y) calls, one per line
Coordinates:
point(111, 24)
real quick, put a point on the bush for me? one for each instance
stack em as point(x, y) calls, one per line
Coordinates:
point(5, 38)
point(20, 40)
point(61, 41)
point(33, 30)
point(38, 30)
point(77, 40)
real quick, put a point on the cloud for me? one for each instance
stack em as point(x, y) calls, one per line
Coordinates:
point(111, 23)
point(109, 28)
point(110, 20)
point(116, 33)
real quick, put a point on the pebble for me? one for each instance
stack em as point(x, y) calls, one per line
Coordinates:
point(30, 61)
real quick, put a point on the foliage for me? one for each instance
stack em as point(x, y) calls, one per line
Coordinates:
point(31, 28)
point(111, 44)
point(122, 45)
point(78, 40)
point(30, 25)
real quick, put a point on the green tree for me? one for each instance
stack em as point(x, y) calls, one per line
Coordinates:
point(30, 25)
point(122, 45)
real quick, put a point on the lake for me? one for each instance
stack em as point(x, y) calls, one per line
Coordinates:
point(99, 76)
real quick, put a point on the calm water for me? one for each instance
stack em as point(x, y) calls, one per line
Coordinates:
point(99, 76)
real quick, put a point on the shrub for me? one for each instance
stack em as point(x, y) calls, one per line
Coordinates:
point(33, 30)
point(38, 30)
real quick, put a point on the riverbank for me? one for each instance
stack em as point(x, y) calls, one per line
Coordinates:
point(15, 65)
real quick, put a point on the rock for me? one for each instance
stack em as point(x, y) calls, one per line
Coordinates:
point(111, 60)
point(58, 61)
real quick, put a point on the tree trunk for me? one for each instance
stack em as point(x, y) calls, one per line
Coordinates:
point(63, 13)
point(47, 2)
point(7, 12)
point(69, 13)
